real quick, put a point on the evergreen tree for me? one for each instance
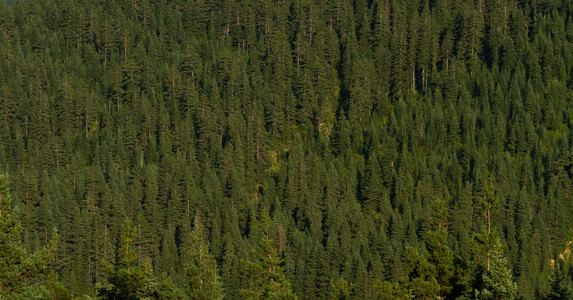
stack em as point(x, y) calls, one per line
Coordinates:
point(18, 268)
point(345, 119)
point(127, 278)
point(387, 291)
point(267, 279)
point(200, 267)
point(340, 289)
point(559, 287)
point(497, 280)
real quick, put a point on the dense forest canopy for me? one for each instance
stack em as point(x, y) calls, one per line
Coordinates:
point(295, 148)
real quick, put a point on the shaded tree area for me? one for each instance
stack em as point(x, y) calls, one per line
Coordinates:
point(348, 149)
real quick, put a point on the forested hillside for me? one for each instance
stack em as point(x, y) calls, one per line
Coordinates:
point(310, 148)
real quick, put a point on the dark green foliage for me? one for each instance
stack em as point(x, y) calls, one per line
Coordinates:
point(264, 271)
point(127, 277)
point(442, 257)
point(497, 279)
point(200, 268)
point(387, 291)
point(559, 287)
point(388, 139)
point(18, 268)
point(340, 289)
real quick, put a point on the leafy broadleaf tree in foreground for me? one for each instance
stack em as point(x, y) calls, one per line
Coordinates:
point(267, 279)
point(18, 267)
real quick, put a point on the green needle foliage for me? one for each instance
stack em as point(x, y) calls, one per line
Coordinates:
point(497, 278)
point(559, 287)
point(127, 277)
point(344, 120)
point(340, 289)
point(18, 268)
point(200, 267)
point(266, 277)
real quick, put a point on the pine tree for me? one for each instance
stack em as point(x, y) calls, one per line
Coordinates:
point(440, 254)
point(200, 267)
point(340, 289)
point(267, 279)
point(559, 285)
point(442, 258)
point(390, 291)
point(18, 267)
point(497, 280)
point(127, 278)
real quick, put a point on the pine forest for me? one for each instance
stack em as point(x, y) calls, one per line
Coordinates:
point(287, 149)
